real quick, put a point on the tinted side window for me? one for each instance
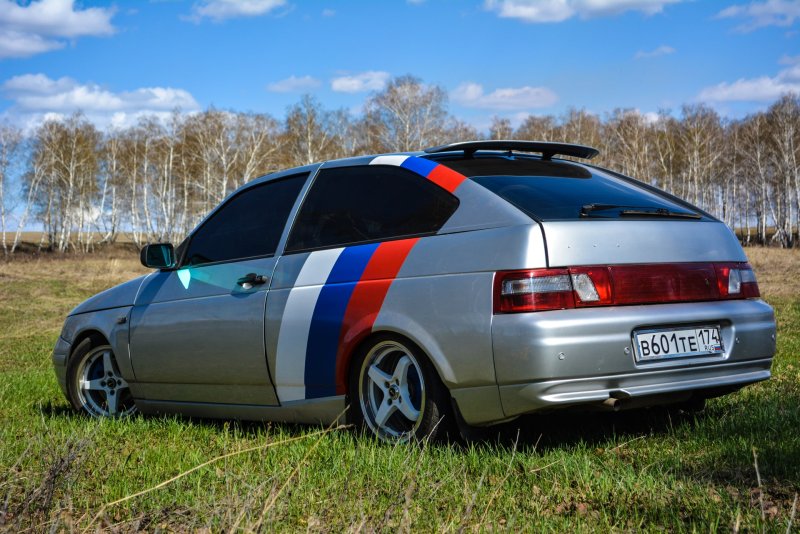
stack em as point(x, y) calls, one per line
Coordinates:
point(370, 203)
point(248, 225)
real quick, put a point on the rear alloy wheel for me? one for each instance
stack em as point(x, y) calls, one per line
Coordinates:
point(95, 383)
point(399, 395)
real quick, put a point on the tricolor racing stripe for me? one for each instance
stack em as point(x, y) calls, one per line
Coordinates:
point(441, 175)
point(341, 291)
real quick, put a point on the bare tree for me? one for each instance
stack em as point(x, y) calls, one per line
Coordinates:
point(535, 128)
point(784, 119)
point(158, 178)
point(311, 132)
point(500, 128)
point(10, 148)
point(409, 114)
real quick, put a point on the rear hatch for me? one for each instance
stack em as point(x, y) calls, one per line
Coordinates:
point(590, 216)
point(642, 244)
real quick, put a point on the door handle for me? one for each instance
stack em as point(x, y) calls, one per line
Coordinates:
point(251, 279)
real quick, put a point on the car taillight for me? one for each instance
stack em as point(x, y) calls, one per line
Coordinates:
point(532, 290)
point(663, 283)
point(614, 285)
point(736, 281)
point(592, 285)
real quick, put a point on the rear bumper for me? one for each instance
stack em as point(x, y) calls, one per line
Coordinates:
point(638, 389)
point(586, 356)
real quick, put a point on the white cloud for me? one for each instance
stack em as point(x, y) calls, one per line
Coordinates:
point(662, 50)
point(471, 95)
point(373, 80)
point(293, 84)
point(561, 10)
point(36, 97)
point(26, 30)
point(760, 14)
point(328, 12)
point(650, 117)
point(219, 10)
point(761, 89)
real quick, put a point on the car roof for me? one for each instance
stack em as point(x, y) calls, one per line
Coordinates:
point(502, 148)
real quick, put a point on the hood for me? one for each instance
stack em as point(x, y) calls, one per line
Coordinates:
point(116, 297)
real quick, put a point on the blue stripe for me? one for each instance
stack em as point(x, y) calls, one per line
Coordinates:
point(420, 166)
point(326, 322)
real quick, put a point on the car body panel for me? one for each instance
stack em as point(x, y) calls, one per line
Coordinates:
point(121, 295)
point(658, 386)
point(111, 323)
point(378, 288)
point(576, 343)
point(593, 241)
point(317, 411)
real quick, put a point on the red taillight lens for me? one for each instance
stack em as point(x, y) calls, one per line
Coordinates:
point(736, 281)
point(609, 285)
point(532, 290)
point(661, 283)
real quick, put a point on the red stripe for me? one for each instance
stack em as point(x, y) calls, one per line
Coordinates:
point(446, 177)
point(366, 301)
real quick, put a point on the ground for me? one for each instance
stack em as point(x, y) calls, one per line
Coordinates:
point(735, 466)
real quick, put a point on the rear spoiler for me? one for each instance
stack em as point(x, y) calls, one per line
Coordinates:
point(547, 150)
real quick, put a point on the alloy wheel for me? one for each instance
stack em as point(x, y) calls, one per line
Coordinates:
point(392, 391)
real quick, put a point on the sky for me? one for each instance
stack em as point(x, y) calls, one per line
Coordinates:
point(115, 61)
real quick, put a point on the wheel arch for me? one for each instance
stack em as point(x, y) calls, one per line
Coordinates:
point(405, 336)
point(82, 336)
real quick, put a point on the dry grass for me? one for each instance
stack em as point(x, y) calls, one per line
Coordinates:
point(777, 270)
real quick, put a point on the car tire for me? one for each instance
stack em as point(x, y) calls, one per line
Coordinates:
point(397, 394)
point(94, 383)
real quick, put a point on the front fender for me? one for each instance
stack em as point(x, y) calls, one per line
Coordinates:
point(112, 324)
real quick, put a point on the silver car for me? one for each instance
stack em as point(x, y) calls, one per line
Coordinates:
point(430, 291)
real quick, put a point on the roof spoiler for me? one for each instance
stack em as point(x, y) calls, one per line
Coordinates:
point(548, 150)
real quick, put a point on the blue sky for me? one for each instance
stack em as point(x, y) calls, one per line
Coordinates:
point(118, 60)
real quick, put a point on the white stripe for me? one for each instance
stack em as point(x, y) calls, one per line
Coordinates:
point(290, 363)
point(389, 160)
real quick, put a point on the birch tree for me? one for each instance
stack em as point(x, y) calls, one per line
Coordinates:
point(10, 152)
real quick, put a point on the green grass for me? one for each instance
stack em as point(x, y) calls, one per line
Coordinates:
point(645, 470)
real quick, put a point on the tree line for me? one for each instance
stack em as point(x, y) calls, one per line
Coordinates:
point(154, 181)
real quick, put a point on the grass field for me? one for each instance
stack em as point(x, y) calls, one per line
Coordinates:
point(735, 466)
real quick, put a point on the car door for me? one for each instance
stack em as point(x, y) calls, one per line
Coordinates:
point(197, 332)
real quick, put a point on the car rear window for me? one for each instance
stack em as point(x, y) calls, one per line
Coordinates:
point(553, 190)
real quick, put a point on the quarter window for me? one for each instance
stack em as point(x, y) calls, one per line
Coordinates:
point(248, 225)
point(350, 205)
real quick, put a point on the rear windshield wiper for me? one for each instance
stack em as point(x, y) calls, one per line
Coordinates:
point(587, 209)
point(658, 212)
point(633, 211)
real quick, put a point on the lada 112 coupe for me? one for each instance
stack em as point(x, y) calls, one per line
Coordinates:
point(464, 285)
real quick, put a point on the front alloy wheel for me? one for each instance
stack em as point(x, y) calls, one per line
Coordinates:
point(96, 385)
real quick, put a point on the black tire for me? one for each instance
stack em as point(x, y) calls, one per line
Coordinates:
point(94, 383)
point(422, 391)
point(695, 405)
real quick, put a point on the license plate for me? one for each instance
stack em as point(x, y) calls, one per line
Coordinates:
point(658, 344)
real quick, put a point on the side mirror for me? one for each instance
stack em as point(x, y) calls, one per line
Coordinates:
point(158, 256)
